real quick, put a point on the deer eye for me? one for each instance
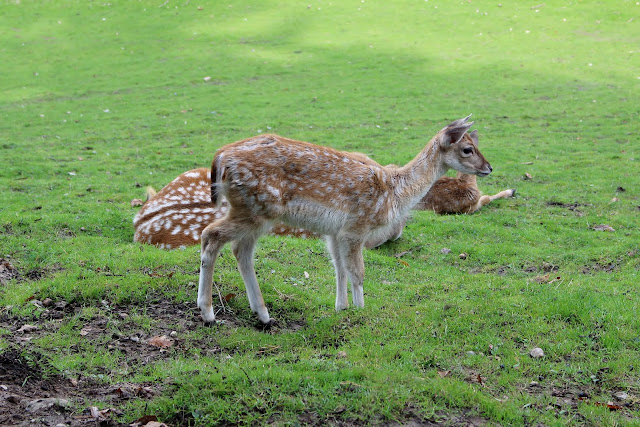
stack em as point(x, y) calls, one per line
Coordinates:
point(468, 150)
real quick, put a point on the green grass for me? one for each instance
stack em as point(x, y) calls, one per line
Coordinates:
point(100, 99)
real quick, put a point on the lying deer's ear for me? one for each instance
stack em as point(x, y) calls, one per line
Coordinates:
point(455, 131)
point(474, 136)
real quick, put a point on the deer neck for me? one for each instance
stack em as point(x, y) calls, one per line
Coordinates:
point(416, 177)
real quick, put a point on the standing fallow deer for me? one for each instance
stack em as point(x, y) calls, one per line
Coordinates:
point(346, 197)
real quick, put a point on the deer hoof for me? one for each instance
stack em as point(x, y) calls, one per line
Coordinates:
point(513, 192)
point(208, 315)
point(268, 325)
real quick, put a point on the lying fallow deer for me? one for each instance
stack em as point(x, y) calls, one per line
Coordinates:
point(269, 179)
point(458, 195)
point(176, 215)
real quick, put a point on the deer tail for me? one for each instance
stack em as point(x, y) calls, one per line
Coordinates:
point(216, 179)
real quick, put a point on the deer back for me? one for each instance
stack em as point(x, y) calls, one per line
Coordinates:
point(269, 179)
point(176, 215)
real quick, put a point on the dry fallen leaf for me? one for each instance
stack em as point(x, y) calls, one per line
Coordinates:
point(160, 342)
point(100, 414)
point(604, 227)
point(621, 395)
point(144, 391)
point(542, 279)
point(547, 279)
point(136, 202)
point(144, 421)
point(27, 329)
point(612, 406)
point(443, 373)
point(463, 255)
point(527, 176)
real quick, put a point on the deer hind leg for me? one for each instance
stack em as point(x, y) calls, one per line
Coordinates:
point(213, 238)
point(243, 250)
point(341, 273)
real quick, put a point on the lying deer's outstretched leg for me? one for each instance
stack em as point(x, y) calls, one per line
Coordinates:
point(485, 199)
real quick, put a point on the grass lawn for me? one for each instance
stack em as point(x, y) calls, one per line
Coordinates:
point(99, 100)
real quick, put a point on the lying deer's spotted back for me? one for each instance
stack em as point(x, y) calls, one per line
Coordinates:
point(176, 215)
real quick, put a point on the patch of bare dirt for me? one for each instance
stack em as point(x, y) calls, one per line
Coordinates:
point(574, 207)
point(32, 392)
point(9, 272)
point(568, 398)
point(410, 417)
point(503, 270)
point(597, 267)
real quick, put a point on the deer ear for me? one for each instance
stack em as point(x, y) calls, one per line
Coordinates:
point(455, 131)
point(474, 136)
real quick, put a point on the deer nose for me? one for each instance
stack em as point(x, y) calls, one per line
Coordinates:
point(490, 168)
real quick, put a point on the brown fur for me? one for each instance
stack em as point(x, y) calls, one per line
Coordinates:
point(458, 195)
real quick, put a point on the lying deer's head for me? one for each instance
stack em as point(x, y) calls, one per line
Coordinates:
point(460, 149)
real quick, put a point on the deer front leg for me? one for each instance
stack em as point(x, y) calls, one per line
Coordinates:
point(353, 260)
point(485, 200)
point(244, 250)
point(212, 243)
point(341, 273)
point(504, 194)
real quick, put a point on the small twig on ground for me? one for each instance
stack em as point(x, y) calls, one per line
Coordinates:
point(224, 308)
point(283, 297)
point(247, 375)
point(400, 254)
